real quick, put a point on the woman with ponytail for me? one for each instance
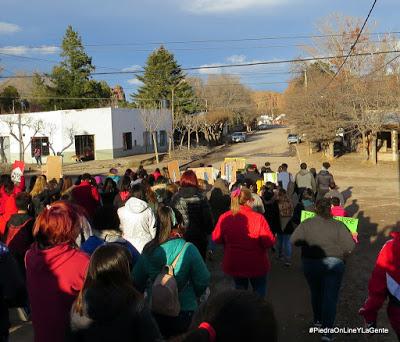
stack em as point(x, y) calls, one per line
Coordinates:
point(246, 237)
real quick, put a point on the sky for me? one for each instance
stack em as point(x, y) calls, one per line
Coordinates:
point(120, 35)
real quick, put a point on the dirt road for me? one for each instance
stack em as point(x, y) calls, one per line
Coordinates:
point(374, 201)
point(373, 198)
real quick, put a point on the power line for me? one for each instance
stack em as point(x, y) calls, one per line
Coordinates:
point(224, 66)
point(44, 59)
point(201, 41)
point(352, 46)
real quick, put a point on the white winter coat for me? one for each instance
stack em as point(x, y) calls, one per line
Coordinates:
point(137, 223)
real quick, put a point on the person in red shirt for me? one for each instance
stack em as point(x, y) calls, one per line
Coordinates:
point(385, 283)
point(55, 270)
point(86, 195)
point(9, 208)
point(156, 174)
point(6, 183)
point(246, 237)
point(336, 208)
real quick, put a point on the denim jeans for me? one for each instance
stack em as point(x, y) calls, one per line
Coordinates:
point(284, 246)
point(259, 284)
point(324, 277)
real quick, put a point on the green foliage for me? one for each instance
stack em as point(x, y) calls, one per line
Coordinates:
point(162, 77)
point(71, 80)
point(9, 100)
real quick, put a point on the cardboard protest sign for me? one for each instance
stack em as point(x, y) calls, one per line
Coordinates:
point(240, 162)
point(205, 173)
point(54, 167)
point(228, 171)
point(349, 222)
point(17, 171)
point(173, 170)
point(271, 177)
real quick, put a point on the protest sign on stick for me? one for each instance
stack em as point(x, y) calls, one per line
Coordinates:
point(17, 171)
point(205, 173)
point(228, 171)
point(240, 162)
point(173, 170)
point(271, 177)
point(54, 167)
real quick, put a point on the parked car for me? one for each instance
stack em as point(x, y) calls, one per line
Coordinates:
point(238, 137)
point(263, 127)
point(293, 139)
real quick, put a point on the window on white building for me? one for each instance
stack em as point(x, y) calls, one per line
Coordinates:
point(42, 143)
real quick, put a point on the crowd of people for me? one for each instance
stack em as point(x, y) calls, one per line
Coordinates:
point(124, 257)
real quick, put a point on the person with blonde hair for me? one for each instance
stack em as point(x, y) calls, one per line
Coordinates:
point(246, 237)
point(39, 187)
point(42, 195)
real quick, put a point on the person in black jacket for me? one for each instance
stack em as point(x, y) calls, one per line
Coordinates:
point(196, 211)
point(108, 308)
point(271, 208)
point(18, 235)
point(11, 287)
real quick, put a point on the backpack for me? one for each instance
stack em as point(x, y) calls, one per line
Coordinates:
point(164, 297)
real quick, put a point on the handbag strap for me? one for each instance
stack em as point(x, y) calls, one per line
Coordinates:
point(174, 263)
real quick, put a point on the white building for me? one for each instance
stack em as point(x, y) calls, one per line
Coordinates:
point(98, 133)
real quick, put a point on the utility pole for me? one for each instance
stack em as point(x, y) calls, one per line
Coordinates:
point(305, 79)
point(171, 140)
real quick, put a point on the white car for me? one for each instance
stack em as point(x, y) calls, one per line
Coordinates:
point(238, 137)
point(293, 139)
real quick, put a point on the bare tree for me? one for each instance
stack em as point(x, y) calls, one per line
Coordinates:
point(21, 123)
point(212, 125)
point(152, 119)
point(3, 148)
point(69, 134)
point(357, 99)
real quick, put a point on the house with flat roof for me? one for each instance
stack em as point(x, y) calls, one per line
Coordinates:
point(84, 134)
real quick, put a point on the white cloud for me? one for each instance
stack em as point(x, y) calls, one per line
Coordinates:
point(236, 59)
point(134, 67)
point(135, 81)
point(6, 28)
point(250, 75)
point(220, 6)
point(212, 71)
point(25, 50)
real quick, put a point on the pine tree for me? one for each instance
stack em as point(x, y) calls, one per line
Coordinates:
point(71, 79)
point(9, 99)
point(163, 77)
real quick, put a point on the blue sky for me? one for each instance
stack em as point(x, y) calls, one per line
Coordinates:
point(34, 29)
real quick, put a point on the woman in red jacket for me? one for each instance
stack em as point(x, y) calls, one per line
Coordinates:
point(385, 283)
point(246, 237)
point(55, 270)
point(8, 206)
